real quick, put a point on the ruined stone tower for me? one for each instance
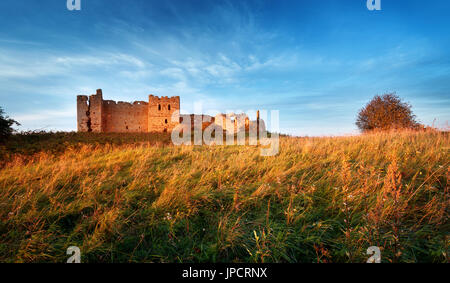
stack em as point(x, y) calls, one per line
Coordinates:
point(104, 116)
point(160, 111)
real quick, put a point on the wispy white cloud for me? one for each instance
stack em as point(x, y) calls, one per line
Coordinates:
point(33, 64)
point(101, 59)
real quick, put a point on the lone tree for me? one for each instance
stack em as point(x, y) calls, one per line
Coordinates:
point(386, 112)
point(6, 125)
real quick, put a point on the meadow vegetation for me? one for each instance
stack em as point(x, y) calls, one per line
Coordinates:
point(137, 198)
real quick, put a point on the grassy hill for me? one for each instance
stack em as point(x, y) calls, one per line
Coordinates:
point(136, 198)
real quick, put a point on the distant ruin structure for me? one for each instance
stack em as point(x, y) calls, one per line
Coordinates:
point(157, 115)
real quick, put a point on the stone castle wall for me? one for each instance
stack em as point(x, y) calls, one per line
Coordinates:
point(106, 116)
point(125, 117)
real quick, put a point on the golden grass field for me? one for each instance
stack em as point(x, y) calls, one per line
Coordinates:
point(137, 198)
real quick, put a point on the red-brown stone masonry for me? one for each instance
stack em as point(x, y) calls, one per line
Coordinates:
point(123, 117)
point(96, 112)
point(161, 111)
point(98, 115)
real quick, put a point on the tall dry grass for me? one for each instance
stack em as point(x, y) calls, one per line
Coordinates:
point(318, 200)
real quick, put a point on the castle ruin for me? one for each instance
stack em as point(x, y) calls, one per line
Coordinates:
point(157, 115)
point(106, 116)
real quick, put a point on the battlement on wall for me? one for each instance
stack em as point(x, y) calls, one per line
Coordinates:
point(155, 98)
point(112, 102)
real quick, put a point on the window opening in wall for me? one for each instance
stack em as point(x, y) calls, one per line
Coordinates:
point(165, 121)
point(159, 107)
point(168, 107)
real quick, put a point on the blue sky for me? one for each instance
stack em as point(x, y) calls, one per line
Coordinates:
point(316, 61)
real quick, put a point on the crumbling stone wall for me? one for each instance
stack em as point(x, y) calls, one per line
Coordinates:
point(83, 119)
point(233, 122)
point(239, 123)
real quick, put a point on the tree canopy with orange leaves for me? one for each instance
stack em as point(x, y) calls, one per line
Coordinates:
point(386, 112)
